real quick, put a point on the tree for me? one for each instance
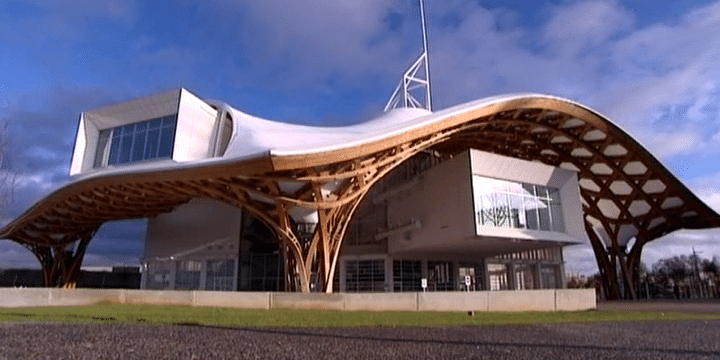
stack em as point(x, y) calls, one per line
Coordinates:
point(686, 276)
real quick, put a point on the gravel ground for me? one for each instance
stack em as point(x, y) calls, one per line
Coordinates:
point(600, 340)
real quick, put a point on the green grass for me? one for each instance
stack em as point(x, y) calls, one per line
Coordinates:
point(155, 314)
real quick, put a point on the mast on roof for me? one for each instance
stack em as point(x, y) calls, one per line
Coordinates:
point(414, 88)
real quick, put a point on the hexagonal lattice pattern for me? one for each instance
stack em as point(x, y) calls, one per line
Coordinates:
point(671, 202)
point(601, 169)
point(615, 150)
point(620, 187)
point(654, 186)
point(635, 168)
point(608, 208)
point(639, 207)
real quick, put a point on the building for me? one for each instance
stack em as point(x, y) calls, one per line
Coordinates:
point(483, 195)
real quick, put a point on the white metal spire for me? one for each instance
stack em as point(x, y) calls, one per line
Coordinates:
point(414, 88)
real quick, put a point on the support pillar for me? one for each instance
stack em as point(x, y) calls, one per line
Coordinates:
point(61, 264)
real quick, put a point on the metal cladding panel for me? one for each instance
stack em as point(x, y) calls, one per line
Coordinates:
point(195, 131)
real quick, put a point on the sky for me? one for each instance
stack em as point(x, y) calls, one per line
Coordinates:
point(652, 66)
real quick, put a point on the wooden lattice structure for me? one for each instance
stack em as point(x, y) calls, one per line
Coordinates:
point(625, 192)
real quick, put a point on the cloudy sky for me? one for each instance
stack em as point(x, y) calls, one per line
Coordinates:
point(653, 66)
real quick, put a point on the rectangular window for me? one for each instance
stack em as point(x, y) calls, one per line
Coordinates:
point(440, 276)
point(507, 204)
point(524, 277)
point(497, 276)
point(365, 275)
point(145, 140)
point(158, 275)
point(407, 275)
point(187, 275)
point(474, 271)
point(220, 275)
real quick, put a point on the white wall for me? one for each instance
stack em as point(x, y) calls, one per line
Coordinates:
point(195, 128)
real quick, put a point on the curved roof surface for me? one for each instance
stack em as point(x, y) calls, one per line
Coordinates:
point(625, 190)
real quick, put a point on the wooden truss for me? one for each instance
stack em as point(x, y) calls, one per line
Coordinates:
point(625, 192)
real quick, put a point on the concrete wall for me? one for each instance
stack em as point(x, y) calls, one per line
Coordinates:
point(442, 201)
point(192, 227)
point(510, 301)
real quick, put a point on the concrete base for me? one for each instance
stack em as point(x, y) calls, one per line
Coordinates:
point(525, 300)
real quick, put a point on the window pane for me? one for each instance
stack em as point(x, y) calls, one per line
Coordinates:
point(515, 188)
point(531, 215)
point(155, 123)
point(125, 148)
point(103, 141)
point(517, 212)
point(407, 275)
point(544, 215)
point(440, 276)
point(151, 147)
point(220, 275)
point(541, 192)
point(139, 146)
point(187, 275)
point(166, 143)
point(528, 189)
point(144, 140)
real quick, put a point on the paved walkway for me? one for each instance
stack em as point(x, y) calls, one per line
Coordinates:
point(700, 306)
point(636, 340)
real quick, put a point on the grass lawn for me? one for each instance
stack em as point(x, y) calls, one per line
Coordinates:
point(157, 314)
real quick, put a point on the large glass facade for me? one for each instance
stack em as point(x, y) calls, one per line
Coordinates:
point(508, 204)
point(365, 275)
point(145, 140)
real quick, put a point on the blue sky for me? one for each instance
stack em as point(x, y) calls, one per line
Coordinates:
point(650, 65)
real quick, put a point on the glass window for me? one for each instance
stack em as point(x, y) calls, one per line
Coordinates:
point(100, 152)
point(440, 276)
point(187, 275)
point(145, 140)
point(220, 275)
point(524, 277)
point(407, 275)
point(501, 203)
point(158, 275)
point(474, 271)
point(497, 276)
point(365, 275)
point(549, 275)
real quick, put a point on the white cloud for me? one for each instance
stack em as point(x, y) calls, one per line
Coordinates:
point(584, 26)
point(580, 259)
